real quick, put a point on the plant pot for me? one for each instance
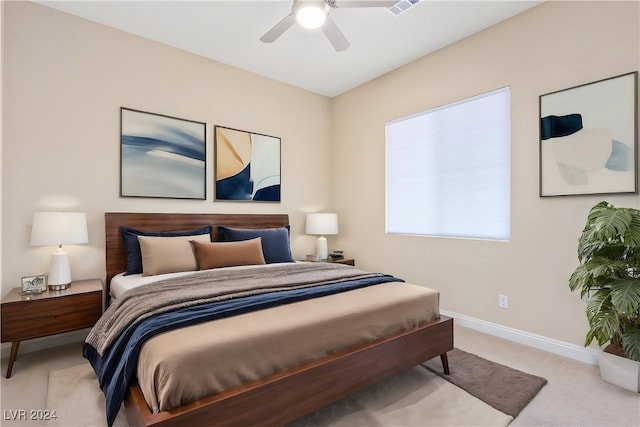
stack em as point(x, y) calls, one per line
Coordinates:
point(620, 371)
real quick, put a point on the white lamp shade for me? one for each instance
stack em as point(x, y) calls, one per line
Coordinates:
point(322, 223)
point(59, 228)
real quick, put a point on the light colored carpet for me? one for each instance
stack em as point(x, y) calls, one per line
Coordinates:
point(415, 398)
point(75, 395)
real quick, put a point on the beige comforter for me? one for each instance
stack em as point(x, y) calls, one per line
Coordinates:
point(181, 366)
point(210, 286)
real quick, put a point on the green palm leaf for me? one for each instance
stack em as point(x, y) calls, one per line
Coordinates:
point(605, 268)
point(625, 296)
point(604, 321)
point(611, 224)
point(631, 343)
point(632, 236)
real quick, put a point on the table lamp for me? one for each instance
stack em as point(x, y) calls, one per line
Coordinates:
point(322, 223)
point(59, 228)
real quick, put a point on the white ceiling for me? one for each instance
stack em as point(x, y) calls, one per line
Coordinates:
point(228, 31)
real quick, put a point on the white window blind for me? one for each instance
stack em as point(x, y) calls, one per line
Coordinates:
point(448, 170)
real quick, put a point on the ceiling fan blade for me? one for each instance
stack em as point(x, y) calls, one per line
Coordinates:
point(363, 3)
point(278, 29)
point(335, 36)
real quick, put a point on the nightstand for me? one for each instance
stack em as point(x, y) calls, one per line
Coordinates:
point(344, 261)
point(52, 312)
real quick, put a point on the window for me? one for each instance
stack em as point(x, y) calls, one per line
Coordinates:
point(448, 170)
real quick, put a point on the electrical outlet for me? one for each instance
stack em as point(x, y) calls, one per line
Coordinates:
point(503, 301)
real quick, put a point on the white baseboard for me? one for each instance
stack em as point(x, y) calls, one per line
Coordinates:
point(46, 342)
point(572, 351)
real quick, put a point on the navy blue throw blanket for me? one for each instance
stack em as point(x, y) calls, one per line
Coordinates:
point(117, 367)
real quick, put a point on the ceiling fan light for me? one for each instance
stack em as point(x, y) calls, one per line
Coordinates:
point(311, 16)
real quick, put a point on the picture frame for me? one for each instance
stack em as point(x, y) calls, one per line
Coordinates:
point(34, 284)
point(247, 166)
point(589, 138)
point(162, 156)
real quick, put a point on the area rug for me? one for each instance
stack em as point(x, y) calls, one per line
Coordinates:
point(502, 387)
point(417, 397)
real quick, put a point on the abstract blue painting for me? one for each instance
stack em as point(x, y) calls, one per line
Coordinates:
point(161, 156)
point(589, 138)
point(247, 166)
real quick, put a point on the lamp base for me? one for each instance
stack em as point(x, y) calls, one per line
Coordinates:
point(321, 248)
point(59, 271)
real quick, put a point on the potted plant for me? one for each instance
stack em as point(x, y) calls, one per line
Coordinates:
point(608, 278)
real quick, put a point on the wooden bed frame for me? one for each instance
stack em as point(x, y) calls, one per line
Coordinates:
point(287, 395)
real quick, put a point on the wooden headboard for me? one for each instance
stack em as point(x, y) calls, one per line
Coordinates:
point(116, 253)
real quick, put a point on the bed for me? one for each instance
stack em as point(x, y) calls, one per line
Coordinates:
point(294, 391)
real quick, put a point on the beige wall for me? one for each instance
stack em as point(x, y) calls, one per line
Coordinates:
point(551, 47)
point(65, 81)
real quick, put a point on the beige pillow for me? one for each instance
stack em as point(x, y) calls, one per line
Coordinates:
point(228, 254)
point(168, 254)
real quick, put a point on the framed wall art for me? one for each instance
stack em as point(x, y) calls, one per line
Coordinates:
point(247, 166)
point(161, 156)
point(589, 138)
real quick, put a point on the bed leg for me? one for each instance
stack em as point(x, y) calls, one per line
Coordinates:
point(445, 363)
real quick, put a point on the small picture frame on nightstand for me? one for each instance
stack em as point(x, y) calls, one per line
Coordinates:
point(34, 284)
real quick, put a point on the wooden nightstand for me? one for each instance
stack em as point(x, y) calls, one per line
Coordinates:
point(52, 312)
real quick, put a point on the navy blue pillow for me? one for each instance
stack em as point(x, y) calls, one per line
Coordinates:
point(275, 241)
point(134, 256)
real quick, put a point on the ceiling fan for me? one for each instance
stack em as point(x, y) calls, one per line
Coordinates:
point(314, 14)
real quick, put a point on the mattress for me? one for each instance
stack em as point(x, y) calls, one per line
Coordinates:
point(184, 365)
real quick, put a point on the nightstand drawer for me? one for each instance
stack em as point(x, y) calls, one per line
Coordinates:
point(37, 318)
point(345, 261)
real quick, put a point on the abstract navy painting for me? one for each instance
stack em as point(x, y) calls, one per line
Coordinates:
point(247, 166)
point(589, 138)
point(161, 156)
